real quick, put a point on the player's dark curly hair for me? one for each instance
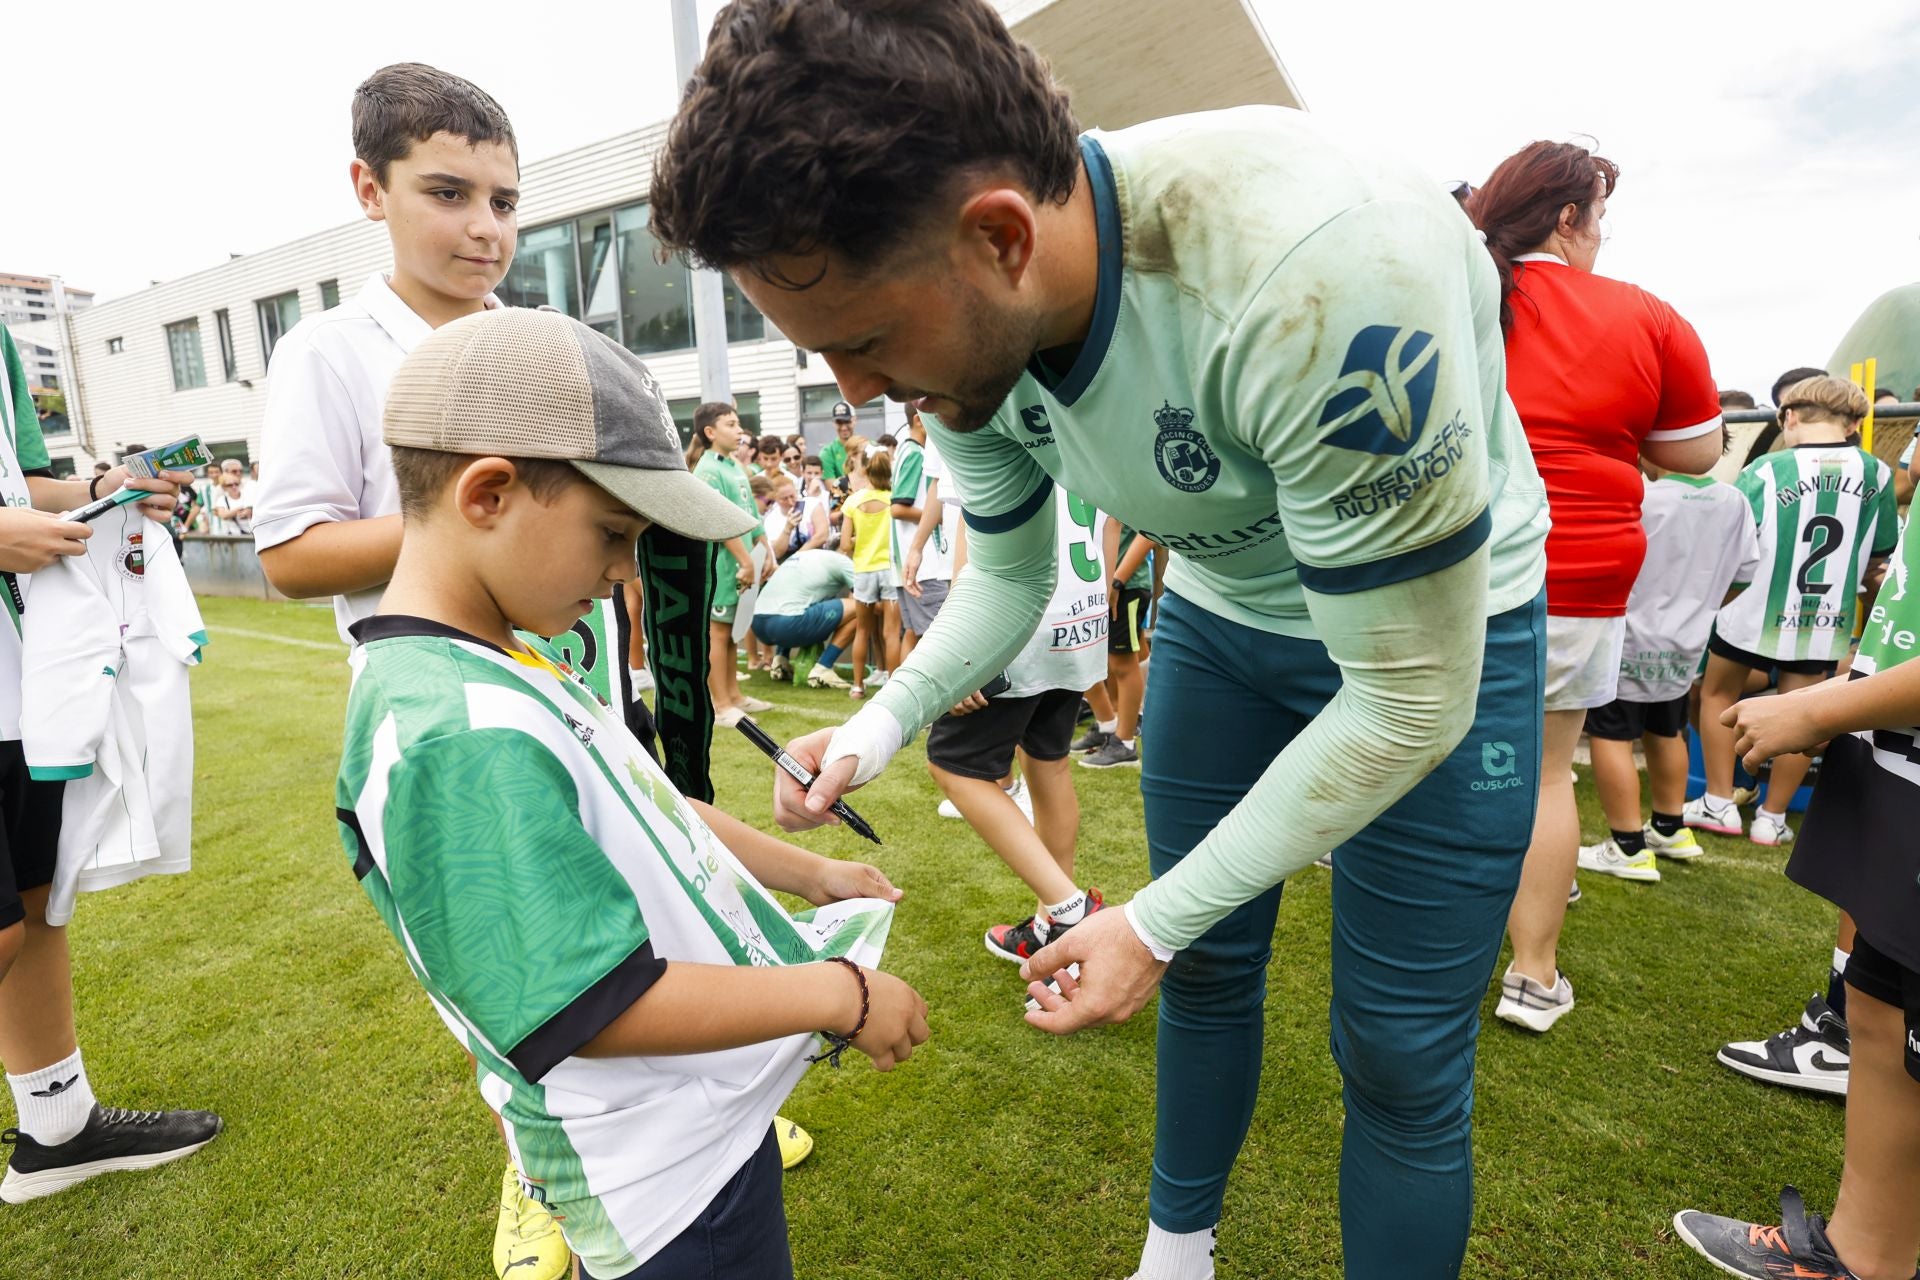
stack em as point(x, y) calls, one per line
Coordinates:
point(836, 126)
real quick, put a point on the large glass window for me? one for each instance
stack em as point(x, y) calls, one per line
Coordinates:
point(744, 321)
point(183, 348)
point(276, 315)
point(605, 269)
point(223, 327)
point(601, 291)
point(656, 303)
point(543, 271)
point(747, 404)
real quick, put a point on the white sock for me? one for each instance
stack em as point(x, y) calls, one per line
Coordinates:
point(1127, 743)
point(1072, 911)
point(1181, 1255)
point(1840, 961)
point(1108, 726)
point(1717, 803)
point(54, 1102)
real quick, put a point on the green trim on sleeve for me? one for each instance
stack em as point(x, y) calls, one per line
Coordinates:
point(59, 773)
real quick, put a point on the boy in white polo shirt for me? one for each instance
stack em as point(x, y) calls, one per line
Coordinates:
point(434, 160)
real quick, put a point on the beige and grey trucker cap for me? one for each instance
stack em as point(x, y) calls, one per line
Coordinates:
point(522, 383)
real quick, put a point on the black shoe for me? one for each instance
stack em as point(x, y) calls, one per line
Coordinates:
point(1092, 740)
point(1812, 1055)
point(1797, 1247)
point(114, 1138)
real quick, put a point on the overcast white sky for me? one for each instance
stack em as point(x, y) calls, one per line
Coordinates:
point(1763, 193)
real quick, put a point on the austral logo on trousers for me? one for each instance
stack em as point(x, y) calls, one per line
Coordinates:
point(1385, 390)
point(1500, 762)
point(1186, 460)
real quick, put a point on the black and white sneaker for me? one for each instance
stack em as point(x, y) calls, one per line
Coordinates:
point(114, 1138)
point(1812, 1055)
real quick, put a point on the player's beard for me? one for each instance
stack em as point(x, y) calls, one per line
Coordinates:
point(998, 347)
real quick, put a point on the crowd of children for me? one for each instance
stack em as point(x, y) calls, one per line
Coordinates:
point(605, 948)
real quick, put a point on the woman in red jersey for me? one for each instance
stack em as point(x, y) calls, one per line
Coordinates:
point(1603, 374)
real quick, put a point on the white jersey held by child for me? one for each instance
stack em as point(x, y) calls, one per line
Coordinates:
point(107, 642)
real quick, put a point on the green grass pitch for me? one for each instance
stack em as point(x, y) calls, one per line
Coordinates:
point(263, 986)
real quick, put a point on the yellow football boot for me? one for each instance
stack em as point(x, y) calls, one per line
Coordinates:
point(527, 1244)
point(796, 1144)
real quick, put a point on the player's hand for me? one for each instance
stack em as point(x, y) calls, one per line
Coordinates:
point(743, 576)
point(31, 540)
point(796, 809)
point(975, 701)
point(910, 573)
point(1767, 727)
point(1118, 975)
point(896, 1021)
point(164, 487)
point(837, 881)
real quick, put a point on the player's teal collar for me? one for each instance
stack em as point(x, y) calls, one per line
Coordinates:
point(1070, 386)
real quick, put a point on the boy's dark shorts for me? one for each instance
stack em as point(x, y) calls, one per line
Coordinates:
point(1623, 721)
point(981, 745)
point(29, 831)
point(1874, 973)
point(742, 1232)
point(1124, 634)
point(1733, 653)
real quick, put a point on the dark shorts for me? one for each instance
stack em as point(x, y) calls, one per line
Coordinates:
point(918, 613)
point(29, 832)
point(981, 745)
point(1874, 973)
point(742, 1231)
point(815, 625)
point(1125, 633)
point(1623, 721)
point(1733, 653)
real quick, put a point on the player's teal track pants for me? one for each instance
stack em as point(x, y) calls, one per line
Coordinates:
point(1420, 904)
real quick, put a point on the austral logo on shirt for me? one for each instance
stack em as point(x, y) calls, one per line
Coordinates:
point(1186, 460)
point(1034, 418)
point(1385, 390)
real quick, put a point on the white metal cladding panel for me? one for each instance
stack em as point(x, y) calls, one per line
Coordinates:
point(602, 174)
point(129, 395)
point(766, 368)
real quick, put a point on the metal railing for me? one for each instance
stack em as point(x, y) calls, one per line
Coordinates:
point(1735, 417)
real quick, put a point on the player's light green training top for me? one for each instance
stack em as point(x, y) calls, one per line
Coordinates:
point(1822, 511)
point(1294, 381)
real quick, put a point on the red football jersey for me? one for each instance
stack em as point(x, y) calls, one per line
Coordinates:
point(1597, 367)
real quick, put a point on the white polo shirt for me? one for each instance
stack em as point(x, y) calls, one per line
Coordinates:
point(321, 454)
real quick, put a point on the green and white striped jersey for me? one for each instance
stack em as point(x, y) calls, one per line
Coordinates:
point(539, 872)
point(1822, 511)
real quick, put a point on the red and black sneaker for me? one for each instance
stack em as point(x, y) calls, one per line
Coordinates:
point(1797, 1249)
point(1017, 942)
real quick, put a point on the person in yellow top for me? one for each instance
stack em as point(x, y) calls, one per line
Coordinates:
point(867, 520)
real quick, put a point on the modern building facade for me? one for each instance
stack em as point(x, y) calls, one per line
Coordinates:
point(28, 304)
point(191, 355)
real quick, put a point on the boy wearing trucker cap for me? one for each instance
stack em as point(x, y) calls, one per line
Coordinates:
point(637, 1003)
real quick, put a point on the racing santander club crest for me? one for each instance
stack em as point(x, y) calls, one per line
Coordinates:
point(133, 557)
point(1186, 460)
